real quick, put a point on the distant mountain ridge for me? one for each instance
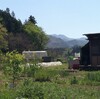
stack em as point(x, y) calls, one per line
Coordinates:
point(63, 37)
point(62, 41)
point(55, 42)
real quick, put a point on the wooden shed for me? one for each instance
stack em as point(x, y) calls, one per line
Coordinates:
point(90, 53)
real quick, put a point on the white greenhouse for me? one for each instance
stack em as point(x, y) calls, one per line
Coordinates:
point(34, 54)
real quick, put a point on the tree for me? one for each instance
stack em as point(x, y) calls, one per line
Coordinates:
point(18, 43)
point(3, 36)
point(37, 35)
point(12, 65)
point(13, 14)
point(10, 22)
point(68, 54)
point(34, 36)
point(7, 10)
point(76, 49)
point(32, 19)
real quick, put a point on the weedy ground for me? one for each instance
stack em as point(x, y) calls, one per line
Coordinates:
point(53, 83)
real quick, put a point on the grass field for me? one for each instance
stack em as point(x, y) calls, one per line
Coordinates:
point(54, 83)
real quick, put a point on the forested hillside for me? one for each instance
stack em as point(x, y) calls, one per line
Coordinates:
point(62, 41)
point(15, 35)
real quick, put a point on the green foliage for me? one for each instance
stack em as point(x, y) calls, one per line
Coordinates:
point(2, 57)
point(59, 86)
point(93, 76)
point(12, 65)
point(36, 34)
point(47, 90)
point(3, 36)
point(76, 49)
point(30, 69)
point(11, 23)
point(8, 94)
point(64, 73)
point(74, 80)
point(42, 76)
point(63, 54)
point(68, 53)
point(57, 53)
point(50, 90)
point(32, 19)
point(29, 91)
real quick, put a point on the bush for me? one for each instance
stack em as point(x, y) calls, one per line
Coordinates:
point(30, 70)
point(64, 73)
point(29, 91)
point(8, 94)
point(12, 65)
point(74, 80)
point(42, 75)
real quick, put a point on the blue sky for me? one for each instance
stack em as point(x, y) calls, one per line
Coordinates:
point(72, 18)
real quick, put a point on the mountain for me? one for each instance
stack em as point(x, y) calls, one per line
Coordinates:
point(55, 42)
point(63, 37)
point(77, 42)
point(62, 41)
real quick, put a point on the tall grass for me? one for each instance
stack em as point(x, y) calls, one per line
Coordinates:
point(93, 76)
point(55, 83)
point(49, 90)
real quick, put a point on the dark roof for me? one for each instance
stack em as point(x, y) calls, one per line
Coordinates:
point(93, 36)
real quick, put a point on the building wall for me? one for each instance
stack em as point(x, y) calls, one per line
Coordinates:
point(91, 54)
point(95, 52)
point(85, 55)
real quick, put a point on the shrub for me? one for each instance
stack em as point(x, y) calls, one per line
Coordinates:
point(12, 65)
point(29, 91)
point(8, 94)
point(42, 75)
point(64, 73)
point(30, 70)
point(74, 80)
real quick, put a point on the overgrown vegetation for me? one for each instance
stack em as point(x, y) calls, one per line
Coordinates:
point(11, 65)
point(22, 80)
point(34, 82)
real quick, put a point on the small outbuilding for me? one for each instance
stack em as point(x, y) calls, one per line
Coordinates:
point(34, 54)
point(90, 53)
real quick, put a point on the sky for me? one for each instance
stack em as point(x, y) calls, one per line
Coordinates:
point(72, 18)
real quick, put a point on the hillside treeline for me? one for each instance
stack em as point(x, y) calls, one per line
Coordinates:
point(15, 35)
point(62, 53)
